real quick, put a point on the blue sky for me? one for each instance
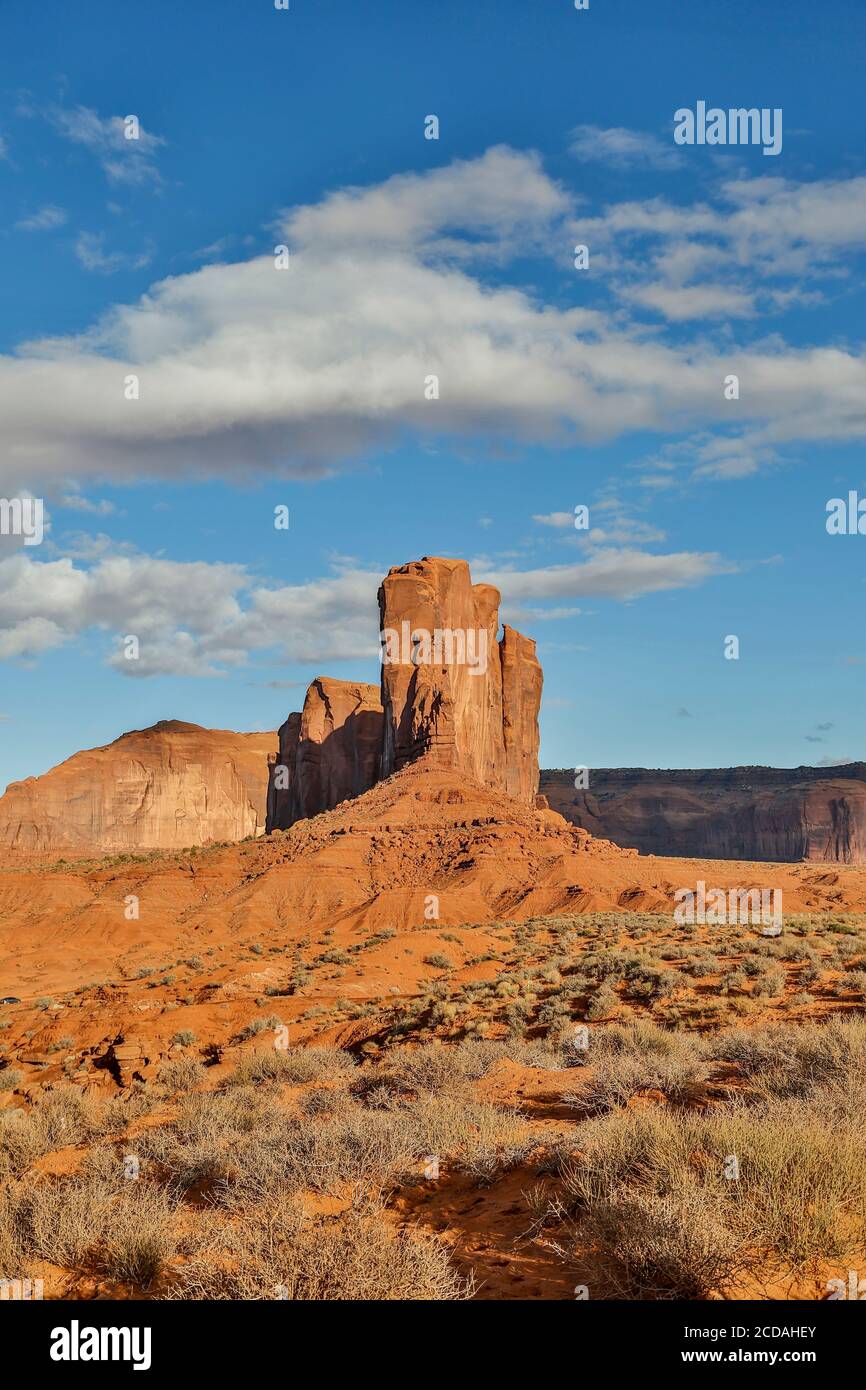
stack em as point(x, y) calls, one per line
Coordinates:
point(454, 256)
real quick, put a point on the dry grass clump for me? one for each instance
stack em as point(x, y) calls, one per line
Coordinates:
point(64, 1116)
point(626, 1059)
point(719, 1193)
point(121, 1228)
point(295, 1066)
point(662, 1246)
point(434, 1068)
point(181, 1074)
point(796, 1059)
point(482, 1139)
point(280, 1253)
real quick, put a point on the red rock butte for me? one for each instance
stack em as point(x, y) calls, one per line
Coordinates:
point(452, 698)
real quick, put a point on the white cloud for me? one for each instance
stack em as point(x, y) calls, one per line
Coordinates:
point(130, 161)
point(622, 148)
point(203, 619)
point(89, 248)
point(77, 503)
point(559, 520)
point(45, 220)
point(681, 302)
point(719, 257)
point(614, 573)
point(243, 367)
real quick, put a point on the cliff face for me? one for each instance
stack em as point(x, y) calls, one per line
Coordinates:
point(756, 813)
point(328, 753)
point(448, 706)
point(521, 700)
point(451, 696)
point(167, 787)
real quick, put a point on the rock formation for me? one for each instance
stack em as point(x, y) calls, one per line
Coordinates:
point(168, 787)
point(755, 813)
point(328, 753)
point(451, 695)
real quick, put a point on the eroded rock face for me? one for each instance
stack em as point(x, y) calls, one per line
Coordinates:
point(451, 697)
point(328, 753)
point(522, 680)
point(441, 673)
point(168, 787)
point(755, 813)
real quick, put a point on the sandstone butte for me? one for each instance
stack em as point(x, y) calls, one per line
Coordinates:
point(466, 703)
point(171, 786)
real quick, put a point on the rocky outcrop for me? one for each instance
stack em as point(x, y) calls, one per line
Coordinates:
point(328, 753)
point(755, 813)
point(521, 699)
point(168, 787)
point(441, 673)
point(452, 697)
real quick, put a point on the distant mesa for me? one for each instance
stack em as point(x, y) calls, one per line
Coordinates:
point(452, 697)
point(752, 813)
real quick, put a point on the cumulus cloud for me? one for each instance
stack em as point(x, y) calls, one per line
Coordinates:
point(720, 257)
point(622, 148)
point(242, 366)
point(614, 573)
point(204, 619)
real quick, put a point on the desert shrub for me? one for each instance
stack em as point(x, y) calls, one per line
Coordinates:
point(770, 984)
point(181, 1074)
point(295, 1066)
point(801, 1190)
point(62, 1117)
point(617, 1079)
point(137, 1241)
point(857, 982)
point(357, 1256)
point(795, 1059)
point(602, 1003)
point(483, 1139)
point(663, 1247)
point(122, 1227)
point(438, 960)
point(261, 1025)
point(184, 1038)
point(58, 1221)
point(643, 1038)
